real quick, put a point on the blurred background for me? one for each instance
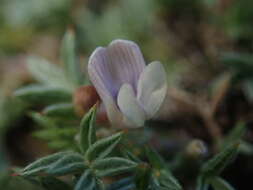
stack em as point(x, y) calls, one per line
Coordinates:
point(205, 45)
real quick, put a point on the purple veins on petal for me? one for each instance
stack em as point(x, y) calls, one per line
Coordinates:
point(128, 88)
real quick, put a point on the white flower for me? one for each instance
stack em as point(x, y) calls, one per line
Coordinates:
point(130, 91)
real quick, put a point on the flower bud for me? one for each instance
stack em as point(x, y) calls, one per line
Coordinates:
point(196, 148)
point(84, 98)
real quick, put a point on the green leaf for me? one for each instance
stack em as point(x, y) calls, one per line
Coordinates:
point(60, 110)
point(246, 148)
point(166, 179)
point(220, 184)
point(129, 155)
point(88, 132)
point(55, 133)
point(38, 94)
point(69, 57)
point(123, 184)
point(68, 164)
point(216, 165)
point(202, 183)
point(43, 163)
point(43, 120)
point(161, 171)
point(112, 166)
point(238, 61)
point(52, 183)
point(61, 144)
point(18, 182)
point(248, 88)
point(143, 176)
point(155, 159)
point(235, 135)
point(87, 181)
point(49, 74)
point(103, 147)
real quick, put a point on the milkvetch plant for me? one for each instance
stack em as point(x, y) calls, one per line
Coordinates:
point(93, 157)
point(97, 159)
point(94, 161)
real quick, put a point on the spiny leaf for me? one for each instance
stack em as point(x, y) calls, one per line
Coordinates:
point(68, 57)
point(103, 147)
point(38, 94)
point(60, 110)
point(88, 132)
point(87, 182)
point(215, 166)
point(43, 163)
point(112, 166)
point(48, 74)
point(220, 184)
point(71, 163)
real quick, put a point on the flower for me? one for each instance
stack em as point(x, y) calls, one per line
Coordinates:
point(130, 91)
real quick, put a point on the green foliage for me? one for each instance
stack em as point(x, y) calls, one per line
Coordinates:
point(15, 183)
point(238, 22)
point(213, 167)
point(123, 184)
point(220, 184)
point(97, 157)
point(42, 164)
point(103, 147)
point(160, 27)
point(42, 95)
point(49, 74)
point(91, 164)
point(94, 163)
point(143, 176)
point(60, 110)
point(235, 135)
point(162, 177)
point(217, 164)
point(88, 135)
point(52, 183)
point(87, 181)
point(54, 90)
point(112, 166)
point(68, 56)
point(59, 136)
point(241, 65)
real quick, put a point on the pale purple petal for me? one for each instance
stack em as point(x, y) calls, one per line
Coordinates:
point(152, 88)
point(126, 63)
point(100, 82)
point(109, 68)
point(98, 74)
point(129, 106)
